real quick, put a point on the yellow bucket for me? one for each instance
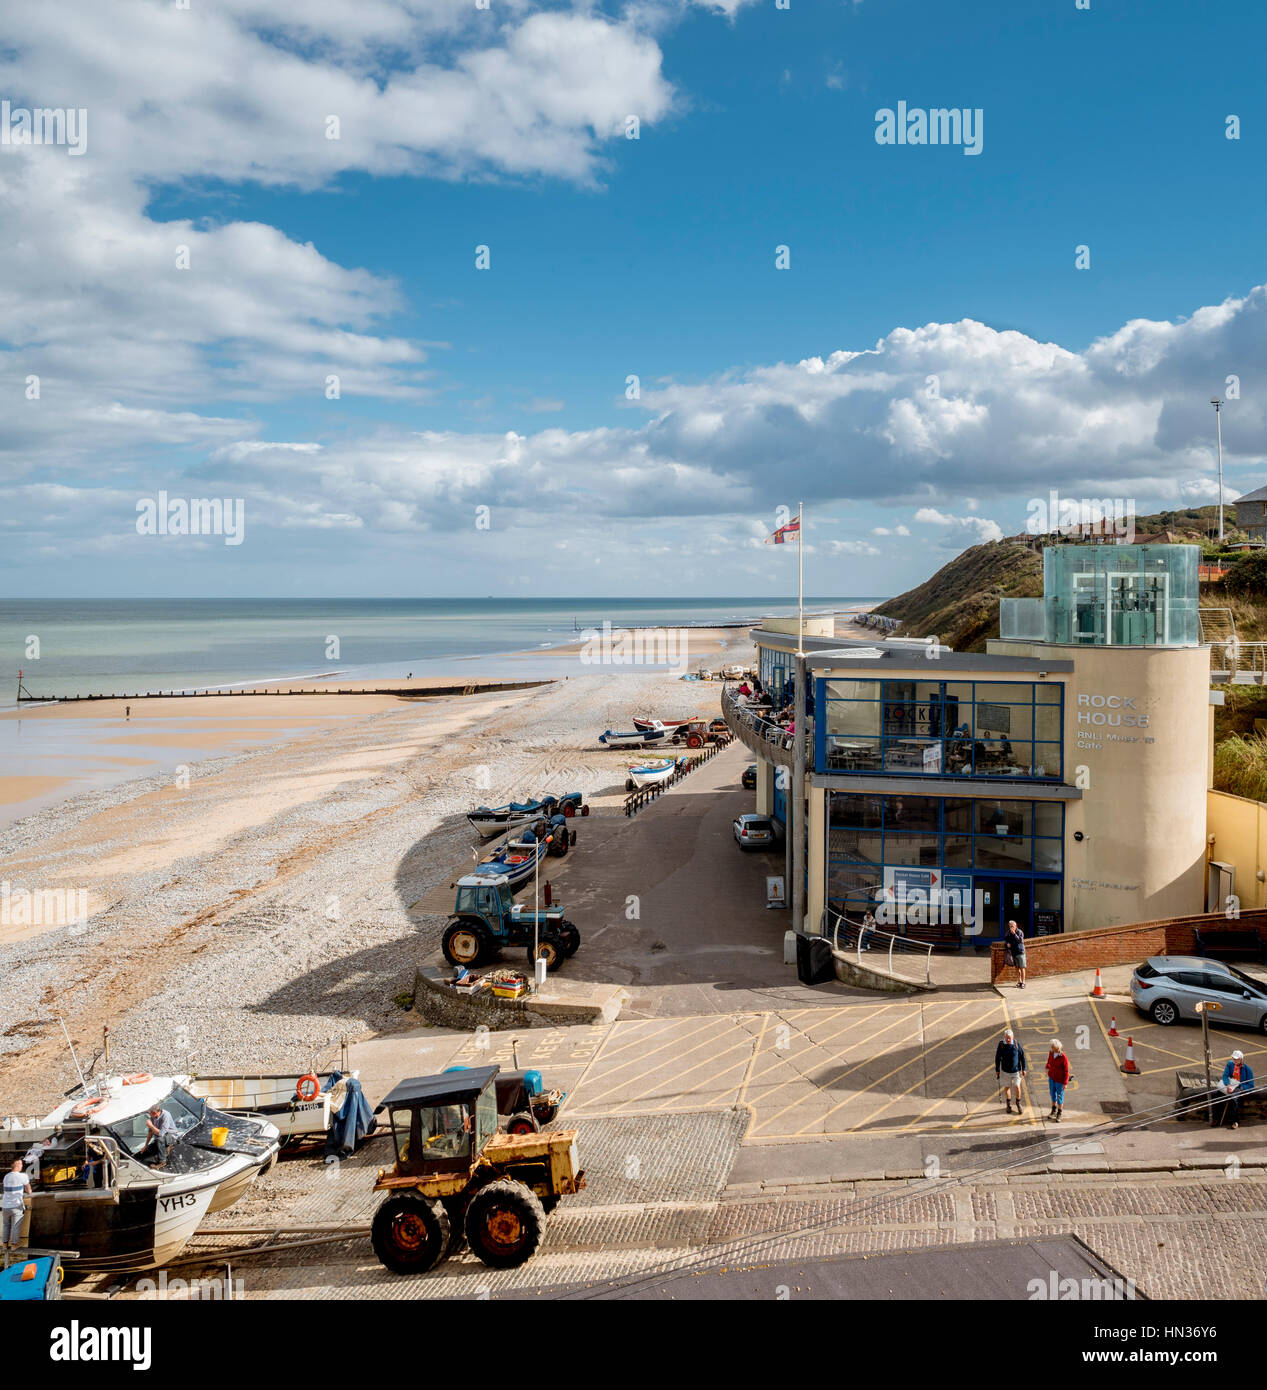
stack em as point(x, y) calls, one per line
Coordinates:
point(219, 1134)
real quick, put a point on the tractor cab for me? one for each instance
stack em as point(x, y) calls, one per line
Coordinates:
point(440, 1124)
point(491, 900)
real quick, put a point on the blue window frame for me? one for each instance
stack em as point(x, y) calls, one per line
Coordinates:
point(969, 839)
point(940, 728)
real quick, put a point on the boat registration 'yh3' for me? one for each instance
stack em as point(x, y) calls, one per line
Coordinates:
point(107, 1193)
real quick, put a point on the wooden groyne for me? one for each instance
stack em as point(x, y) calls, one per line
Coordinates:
point(403, 691)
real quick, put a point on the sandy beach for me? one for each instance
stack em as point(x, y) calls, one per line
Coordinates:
point(260, 904)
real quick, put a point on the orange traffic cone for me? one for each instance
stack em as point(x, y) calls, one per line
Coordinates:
point(1098, 991)
point(1129, 1066)
point(1113, 1033)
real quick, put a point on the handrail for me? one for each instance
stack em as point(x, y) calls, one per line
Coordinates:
point(862, 934)
point(765, 729)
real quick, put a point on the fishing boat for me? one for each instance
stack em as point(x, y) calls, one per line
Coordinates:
point(516, 859)
point(646, 722)
point(300, 1105)
point(488, 821)
point(640, 736)
point(658, 770)
point(103, 1193)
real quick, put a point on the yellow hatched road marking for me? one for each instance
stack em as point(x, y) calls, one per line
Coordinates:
point(779, 1057)
point(726, 1021)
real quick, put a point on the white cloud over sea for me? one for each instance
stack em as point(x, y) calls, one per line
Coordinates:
point(151, 376)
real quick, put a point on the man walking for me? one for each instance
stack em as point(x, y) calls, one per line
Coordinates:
point(17, 1184)
point(1009, 1067)
point(1014, 944)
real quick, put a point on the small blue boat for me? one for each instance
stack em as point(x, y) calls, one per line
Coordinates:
point(496, 820)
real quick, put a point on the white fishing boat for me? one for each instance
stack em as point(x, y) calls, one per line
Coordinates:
point(648, 774)
point(122, 1205)
point(613, 739)
point(299, 1105)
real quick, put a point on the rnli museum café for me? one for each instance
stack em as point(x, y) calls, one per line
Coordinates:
point(1059, 779)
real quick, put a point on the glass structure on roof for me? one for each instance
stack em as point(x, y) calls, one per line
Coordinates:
point(1110, 596)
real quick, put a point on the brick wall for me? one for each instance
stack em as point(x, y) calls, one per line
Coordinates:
point(1084, 950)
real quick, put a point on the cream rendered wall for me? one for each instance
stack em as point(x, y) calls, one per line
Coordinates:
point(765, 788)
point(1238, 827)
point(1137, 742)
point(816, 859)
point(813, 627)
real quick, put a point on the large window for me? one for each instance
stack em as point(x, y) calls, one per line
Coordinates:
point(775, 669)
point(940, 728)
point(867, 834)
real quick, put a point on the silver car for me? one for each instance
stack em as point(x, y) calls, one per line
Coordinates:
point(754, 832)
point(1167, 988)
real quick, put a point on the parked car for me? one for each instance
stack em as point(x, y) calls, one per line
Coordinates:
point(1167, 988)
point(754, 832)
point(749, 779)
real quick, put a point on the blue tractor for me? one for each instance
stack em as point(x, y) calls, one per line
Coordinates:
point(486, 920)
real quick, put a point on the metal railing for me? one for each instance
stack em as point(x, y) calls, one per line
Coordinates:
point(1237, 657)
point(763, 735)
point(861, 940)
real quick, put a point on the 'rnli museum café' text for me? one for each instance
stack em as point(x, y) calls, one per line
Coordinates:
point(1060, 778)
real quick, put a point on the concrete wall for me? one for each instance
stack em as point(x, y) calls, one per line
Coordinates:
point(814, 627)
point(1137, 742)
point(816, 858)
point(765, 788)
point(1238, 827)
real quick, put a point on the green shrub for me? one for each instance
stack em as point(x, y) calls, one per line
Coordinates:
point(1249, 574)
point(1240, 766)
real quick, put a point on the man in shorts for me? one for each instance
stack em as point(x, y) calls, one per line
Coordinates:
point(17, 1184)
point(1009, 1068)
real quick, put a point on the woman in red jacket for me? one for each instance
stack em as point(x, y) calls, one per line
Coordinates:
point(1058, 1077)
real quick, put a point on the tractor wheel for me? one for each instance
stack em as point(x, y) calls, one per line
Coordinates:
point(694, 741)
point(522, 1123)
point(504, 1223)
point(547, 1115)
point(571, 938)
point(455, 1209)
point(569, 810)
point(550, 949)
point(629, 784)
point(466, 943)
point(410, 1234)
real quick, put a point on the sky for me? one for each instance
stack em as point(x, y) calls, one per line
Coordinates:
point(453, 297)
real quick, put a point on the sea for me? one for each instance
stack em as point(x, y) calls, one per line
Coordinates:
point(131, 646)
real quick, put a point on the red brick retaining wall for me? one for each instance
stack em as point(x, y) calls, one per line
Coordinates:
point(1084, 950)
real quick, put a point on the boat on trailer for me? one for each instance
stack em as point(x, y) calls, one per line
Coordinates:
point(648, 774)
point(515, 859)
point(97, 1195)
point(647, 722)
point(300, 1105)
point(488, 821)
point(613, 739)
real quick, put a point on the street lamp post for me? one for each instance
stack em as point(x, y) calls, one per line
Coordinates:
point(1218, 427)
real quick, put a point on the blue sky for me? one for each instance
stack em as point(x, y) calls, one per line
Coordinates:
point(612, 257)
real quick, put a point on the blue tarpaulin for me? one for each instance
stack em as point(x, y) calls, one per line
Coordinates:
point(353, 1121)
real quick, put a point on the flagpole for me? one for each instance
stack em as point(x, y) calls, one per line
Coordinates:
point(800, 579)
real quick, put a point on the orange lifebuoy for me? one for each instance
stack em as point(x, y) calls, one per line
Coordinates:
point(137, 1078)
point(308, 1087)
point(86, 1107)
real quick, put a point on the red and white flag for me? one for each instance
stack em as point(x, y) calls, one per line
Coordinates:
point(782, 534)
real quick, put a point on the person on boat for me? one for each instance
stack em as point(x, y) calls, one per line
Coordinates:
point(33, 1157)
point(161, 1129)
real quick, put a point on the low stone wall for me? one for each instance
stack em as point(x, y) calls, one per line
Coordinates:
point(438, 1003)
point(1128, 945)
